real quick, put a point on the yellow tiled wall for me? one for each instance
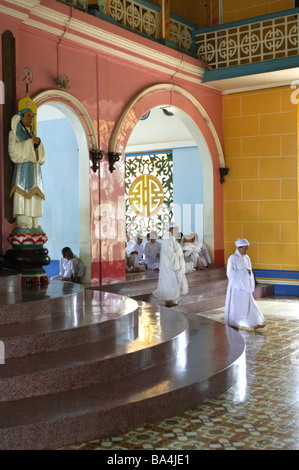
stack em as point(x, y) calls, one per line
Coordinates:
point(203, 12)
point(261, 189)
point(234, 10)
point(193, 10)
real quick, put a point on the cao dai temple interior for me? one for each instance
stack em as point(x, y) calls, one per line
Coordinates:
point(146, 112)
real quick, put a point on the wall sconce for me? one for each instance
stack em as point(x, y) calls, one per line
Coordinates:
point(96, 156)
point(62, 81)
point(113, 158)
point(223, 173)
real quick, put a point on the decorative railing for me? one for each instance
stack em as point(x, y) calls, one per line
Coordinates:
point(181, 32)
point(259, 39)
point(252, 40)
point(140, 16)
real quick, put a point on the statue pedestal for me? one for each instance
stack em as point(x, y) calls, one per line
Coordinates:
point(28, 254)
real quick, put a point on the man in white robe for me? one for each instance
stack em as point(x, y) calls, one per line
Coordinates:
point(152, 252)
point(71, 267)
point(129, 243)
point(241, 310)
point(192, 260)
point(172, 280)
point(202, 252)
point(137, 254)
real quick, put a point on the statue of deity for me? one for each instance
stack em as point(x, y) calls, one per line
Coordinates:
point(28, 154)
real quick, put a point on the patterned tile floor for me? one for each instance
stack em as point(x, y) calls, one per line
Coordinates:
point(261, 412)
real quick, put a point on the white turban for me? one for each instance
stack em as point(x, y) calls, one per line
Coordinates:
point(170, 225)
point(242, 242)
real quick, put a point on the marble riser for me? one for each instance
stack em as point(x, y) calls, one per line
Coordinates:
point(139, 285)
point(89, 364)
point(209, 299)
point(22, 312)
point(54, 335)
point(206, 369)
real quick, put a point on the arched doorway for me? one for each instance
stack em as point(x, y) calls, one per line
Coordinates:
point(195, 118)
point(67, 215)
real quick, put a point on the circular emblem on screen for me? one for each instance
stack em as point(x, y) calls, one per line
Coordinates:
point(146, 195)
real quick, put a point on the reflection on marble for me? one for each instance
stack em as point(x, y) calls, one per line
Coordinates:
point(83, 363)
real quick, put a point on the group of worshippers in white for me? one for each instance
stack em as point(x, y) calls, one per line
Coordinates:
point(172, 258)
point(141, 256)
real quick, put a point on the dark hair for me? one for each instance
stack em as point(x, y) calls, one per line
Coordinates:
point(65, 250)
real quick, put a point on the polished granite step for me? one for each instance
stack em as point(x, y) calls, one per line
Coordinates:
point(100, 316)
point(41, 302)
point(208, 366)
point(106, 363)
point(158, 336)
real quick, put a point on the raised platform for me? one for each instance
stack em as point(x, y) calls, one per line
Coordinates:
point(82, 364)
point(207, 290)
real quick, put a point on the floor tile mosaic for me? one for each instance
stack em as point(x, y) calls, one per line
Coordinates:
point(260, 412)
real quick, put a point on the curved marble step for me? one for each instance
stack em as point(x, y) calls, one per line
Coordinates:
point(146, 283)
point(101, 316)
point(208, 366)
point(38, 303)
point(159, 336)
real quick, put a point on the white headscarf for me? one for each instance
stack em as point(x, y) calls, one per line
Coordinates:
point(242, 242)
point(153, 235)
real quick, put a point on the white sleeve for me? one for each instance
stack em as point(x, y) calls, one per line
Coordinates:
point(21, 152)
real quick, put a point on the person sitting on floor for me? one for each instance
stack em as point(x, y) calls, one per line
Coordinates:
point(71, 267)
point(203, 254)
point(152, 252)
point(129, 243)
point(129, 267)
point(137, 254)
point(191, 254)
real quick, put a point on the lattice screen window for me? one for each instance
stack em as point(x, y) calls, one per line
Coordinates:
point(149, 192)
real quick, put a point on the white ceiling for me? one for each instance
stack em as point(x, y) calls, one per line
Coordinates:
point(166, 131)
point(256, 81)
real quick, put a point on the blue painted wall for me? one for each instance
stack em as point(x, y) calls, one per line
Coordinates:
point(188, 189)
point(60, 219)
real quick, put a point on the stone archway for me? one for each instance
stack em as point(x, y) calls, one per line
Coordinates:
point(87, 140)
point(205, 135)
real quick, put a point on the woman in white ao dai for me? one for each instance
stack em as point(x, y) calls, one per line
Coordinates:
point(241, 310)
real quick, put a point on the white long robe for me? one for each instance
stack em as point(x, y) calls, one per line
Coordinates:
point(137, 260)
point(202, 253)
point(70, 267)
point(151, 250)
point(191, 252)
point(172, 280)
point(241, 310)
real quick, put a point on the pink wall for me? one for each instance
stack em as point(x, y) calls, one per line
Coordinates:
point(105, 84)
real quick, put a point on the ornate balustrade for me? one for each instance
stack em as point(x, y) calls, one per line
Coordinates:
point(253, 40)
point(181, 33)
point(141, 16)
